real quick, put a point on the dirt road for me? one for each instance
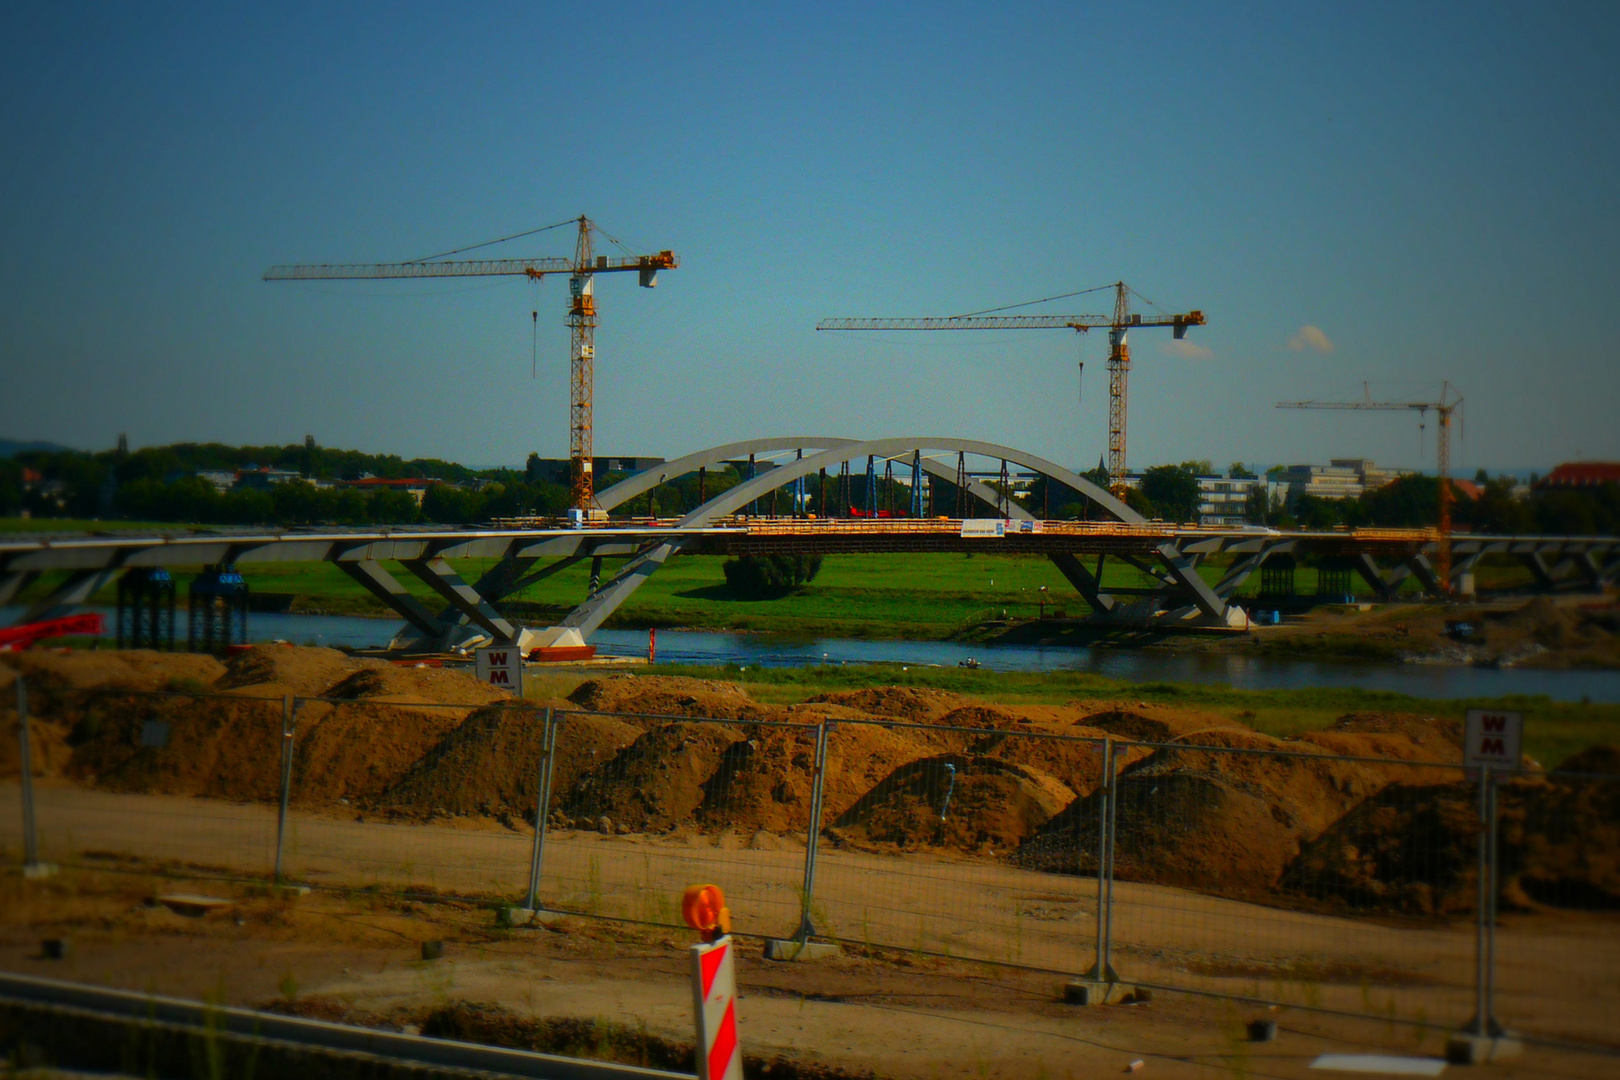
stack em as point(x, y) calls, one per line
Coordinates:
point(1559, 975)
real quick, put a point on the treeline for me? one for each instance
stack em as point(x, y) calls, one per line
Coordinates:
point(1413, 501)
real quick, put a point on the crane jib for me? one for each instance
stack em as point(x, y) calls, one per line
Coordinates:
point(663, 260)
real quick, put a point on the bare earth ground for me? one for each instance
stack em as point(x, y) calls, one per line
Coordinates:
point(915, 1013)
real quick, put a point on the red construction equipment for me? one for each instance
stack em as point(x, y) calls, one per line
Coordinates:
point(17, 638)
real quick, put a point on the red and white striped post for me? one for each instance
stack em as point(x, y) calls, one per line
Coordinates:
point(714, 984)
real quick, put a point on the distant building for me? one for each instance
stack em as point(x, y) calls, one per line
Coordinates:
point(1582, 474)
point(556, 470)
point(1341, 478)
point(1224, 500)
point(414, 486)
point(263, 479)
point(221, 479)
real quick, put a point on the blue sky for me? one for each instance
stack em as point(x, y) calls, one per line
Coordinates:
point(1432, 187)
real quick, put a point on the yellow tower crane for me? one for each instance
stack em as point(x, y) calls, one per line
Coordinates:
point(1119, 326)
point(581, 271)
point(1448, 402)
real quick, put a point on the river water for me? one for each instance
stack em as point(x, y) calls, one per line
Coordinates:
point(1135, 665)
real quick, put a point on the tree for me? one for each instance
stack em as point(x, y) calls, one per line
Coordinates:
point(768, 577)
point(1239, 471)
point(1173, 491)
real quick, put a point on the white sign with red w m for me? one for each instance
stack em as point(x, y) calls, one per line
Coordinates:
point(1493, 737)
point(502, 667)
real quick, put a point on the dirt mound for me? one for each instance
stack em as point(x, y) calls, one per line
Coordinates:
point(219, 747)
point(670, 695)
point(288, 669)
point(131, 669)
point(1129, 725)
point(49, 751)
point(1206, 817)
point(1603, 759)
point(1074, 762)
point(1414, 849)
point(1442, 735)
point(763, 782)
point(655, 783)
point(229, 746)
point(956, 801)
point(490, 763)
point(917, 705)
point(415, 686)
point(358, 751)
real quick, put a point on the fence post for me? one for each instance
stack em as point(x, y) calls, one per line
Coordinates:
point(1483, 1038)
point(542, 808)
point(289, 720)
point(1095, 985)
point(32, 867)
point(812, 837)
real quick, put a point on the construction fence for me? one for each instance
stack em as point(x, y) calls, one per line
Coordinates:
point(1409, 891)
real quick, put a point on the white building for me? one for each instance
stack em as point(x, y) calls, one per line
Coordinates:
point(1341, 478)
point(1224, 500)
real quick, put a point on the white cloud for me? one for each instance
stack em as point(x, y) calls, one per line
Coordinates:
point(1312, 338)
point(1186, 350)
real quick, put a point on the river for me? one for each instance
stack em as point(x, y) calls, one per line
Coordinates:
point(1135, 665)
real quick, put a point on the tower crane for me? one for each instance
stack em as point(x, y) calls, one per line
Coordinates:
point(581, 319)
point(1448, 401)
point(1119, 325)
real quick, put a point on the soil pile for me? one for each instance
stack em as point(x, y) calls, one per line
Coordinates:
point(135, 669)
point(1202, 817)
point(914, 705)
point(228, 744)
point(490, 763)
point(219, 747)
point(960, 802)
point(655, 783)
point(1073, 760)
point(48, 747)
point(763, 782)
point(1413, 848)
point(671, 695)
point(275, 670)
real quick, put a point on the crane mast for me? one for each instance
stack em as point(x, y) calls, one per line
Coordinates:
point(1447, 403)
point(581, 318)
point(1119, 352)
point(1119, 373)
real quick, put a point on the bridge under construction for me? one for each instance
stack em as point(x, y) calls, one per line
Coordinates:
point(1170, 556)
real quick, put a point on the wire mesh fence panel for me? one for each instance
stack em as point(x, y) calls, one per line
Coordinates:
point(173, 782)
point(924, 825)
point(1296, 877)
point(413, 796)
point(12, 811)
point(642, 807)
point(1557, 940)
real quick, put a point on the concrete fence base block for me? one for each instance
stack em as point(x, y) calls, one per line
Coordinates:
point(1464, 1048)
point(36, 871)
point(522, 916)
point(1096, 992)
point(780, 949)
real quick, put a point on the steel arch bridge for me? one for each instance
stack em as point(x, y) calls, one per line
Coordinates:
point(531, 551)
